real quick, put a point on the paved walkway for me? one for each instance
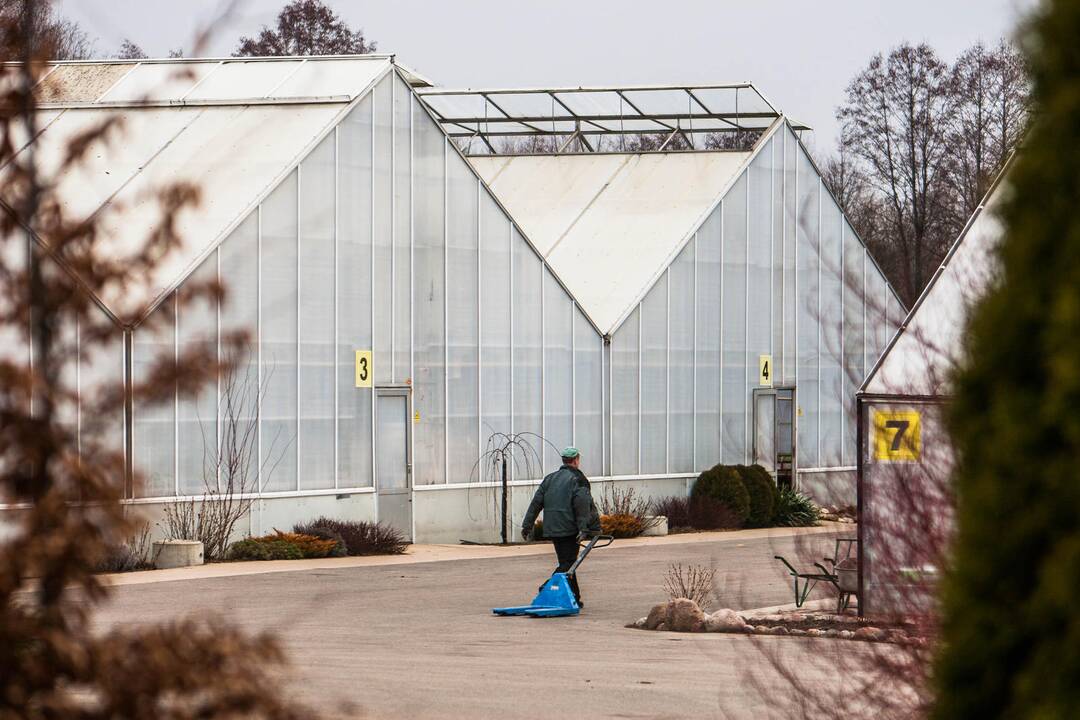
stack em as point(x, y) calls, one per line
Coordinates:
point(414, 637)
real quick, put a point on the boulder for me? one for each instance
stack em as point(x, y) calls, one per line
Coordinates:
point(869, 633)
point(685, 616)
point(724, 621)
point(814, 632)
point(847, 634)
point(656, 616)
point(779, 630)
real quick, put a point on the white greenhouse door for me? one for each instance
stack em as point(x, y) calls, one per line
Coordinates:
point(393, 465)
point(765, 430)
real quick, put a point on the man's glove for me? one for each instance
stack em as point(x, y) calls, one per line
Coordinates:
point(584, 536)
point(525, 534)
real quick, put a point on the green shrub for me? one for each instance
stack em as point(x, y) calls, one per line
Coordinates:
point(762, 491)
point(263, 549)
point(793, 509)
point(361, 537)
point(723, 484)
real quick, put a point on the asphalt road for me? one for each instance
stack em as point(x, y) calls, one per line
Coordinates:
point(419, 641)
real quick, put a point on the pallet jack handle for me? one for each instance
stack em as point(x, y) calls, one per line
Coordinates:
point(585, 549)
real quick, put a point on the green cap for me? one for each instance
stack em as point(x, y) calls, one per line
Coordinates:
point(570, 453)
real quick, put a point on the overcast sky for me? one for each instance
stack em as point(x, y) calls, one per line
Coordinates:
point(800, 54)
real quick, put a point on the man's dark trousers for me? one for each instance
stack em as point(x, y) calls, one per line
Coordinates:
point(566, 549)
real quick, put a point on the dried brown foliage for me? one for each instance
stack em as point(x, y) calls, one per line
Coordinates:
point(67, 482)
point(693, 582)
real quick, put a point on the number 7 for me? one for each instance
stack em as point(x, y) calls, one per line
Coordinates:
point(901, 427)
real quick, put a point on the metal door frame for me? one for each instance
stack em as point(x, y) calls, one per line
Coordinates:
point(394, 390)
point(755, 392)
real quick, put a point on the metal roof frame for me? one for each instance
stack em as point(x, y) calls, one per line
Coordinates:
point(564, 124)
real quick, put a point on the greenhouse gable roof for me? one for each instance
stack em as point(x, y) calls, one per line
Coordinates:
point(609, 223)
point(230, 127)
point(919, 357)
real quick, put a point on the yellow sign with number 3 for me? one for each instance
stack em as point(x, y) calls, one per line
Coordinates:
point(363, 368)
point(897, 435)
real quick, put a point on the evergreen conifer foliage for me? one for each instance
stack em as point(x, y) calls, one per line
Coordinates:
point(1011, 627)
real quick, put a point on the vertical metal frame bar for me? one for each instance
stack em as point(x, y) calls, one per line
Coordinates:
point(543, 362)
point(821, 246)
point(258, 352)
point(479, 335)
point(299, 179)
point(393, 231)
point(843, 362)
point(371, 291)
point(640, 389)
point(573, 373)
point(795, 410)
point(513, 310)
point(694, 365)
point(783, 255)
point(336, 351)
point(217, 403)
point(176, 394)
point(667, 373)
point(412, 288)
point(446, 312)
point(720, 320)
point(746, 323)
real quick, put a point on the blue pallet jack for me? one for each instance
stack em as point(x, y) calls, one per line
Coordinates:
point(555, 598)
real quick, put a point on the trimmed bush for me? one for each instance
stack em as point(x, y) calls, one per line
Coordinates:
point(793, 509)
point(723, 484)
point(361, 537)
point(762, 491)
point(264, 548)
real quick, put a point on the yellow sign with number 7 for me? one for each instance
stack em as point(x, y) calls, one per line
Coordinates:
point(897, 435)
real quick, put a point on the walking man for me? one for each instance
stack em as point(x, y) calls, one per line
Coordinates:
point(570, 514)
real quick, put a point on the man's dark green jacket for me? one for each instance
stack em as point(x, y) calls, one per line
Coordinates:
point(567, 503)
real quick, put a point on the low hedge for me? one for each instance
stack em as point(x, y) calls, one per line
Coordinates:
point(762, 491)
point(724, 484)
point(282, 546)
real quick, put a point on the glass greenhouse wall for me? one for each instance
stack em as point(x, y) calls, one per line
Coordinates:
point(383, 239)
point(775, 270)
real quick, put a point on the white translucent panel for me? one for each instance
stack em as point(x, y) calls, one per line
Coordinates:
point(588, 395)
point(196, 430)
point(681, 362)
point(734, 392)
point(326, 77)
point(558, 371)
point(154, 431)
point(158, 81)
point(463, 319)
point(383, 227)
point(65, 353)
point(807, 308)
point(316, 327)
point(402, 319)
point(854, 359)
point(243, 79)
point(605, 391)
point(429, 298)
point(528, 351)
point(777, 242)
point(790, 284)
point(875, 313)
point(354, 295)
point(894, 316)
point(278, 264)
point(759, 276)
point(831, 319)
point(654, 330)
point(625, 385)
point(495, 378)
point(101, 374)
point(238, 402)
point(707, 333)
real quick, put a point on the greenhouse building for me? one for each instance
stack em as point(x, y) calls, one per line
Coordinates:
point(655, 275)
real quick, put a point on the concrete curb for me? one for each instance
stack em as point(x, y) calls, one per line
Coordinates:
point(443, 553)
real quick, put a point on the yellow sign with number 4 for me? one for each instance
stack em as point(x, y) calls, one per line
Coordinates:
point(897, 435)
